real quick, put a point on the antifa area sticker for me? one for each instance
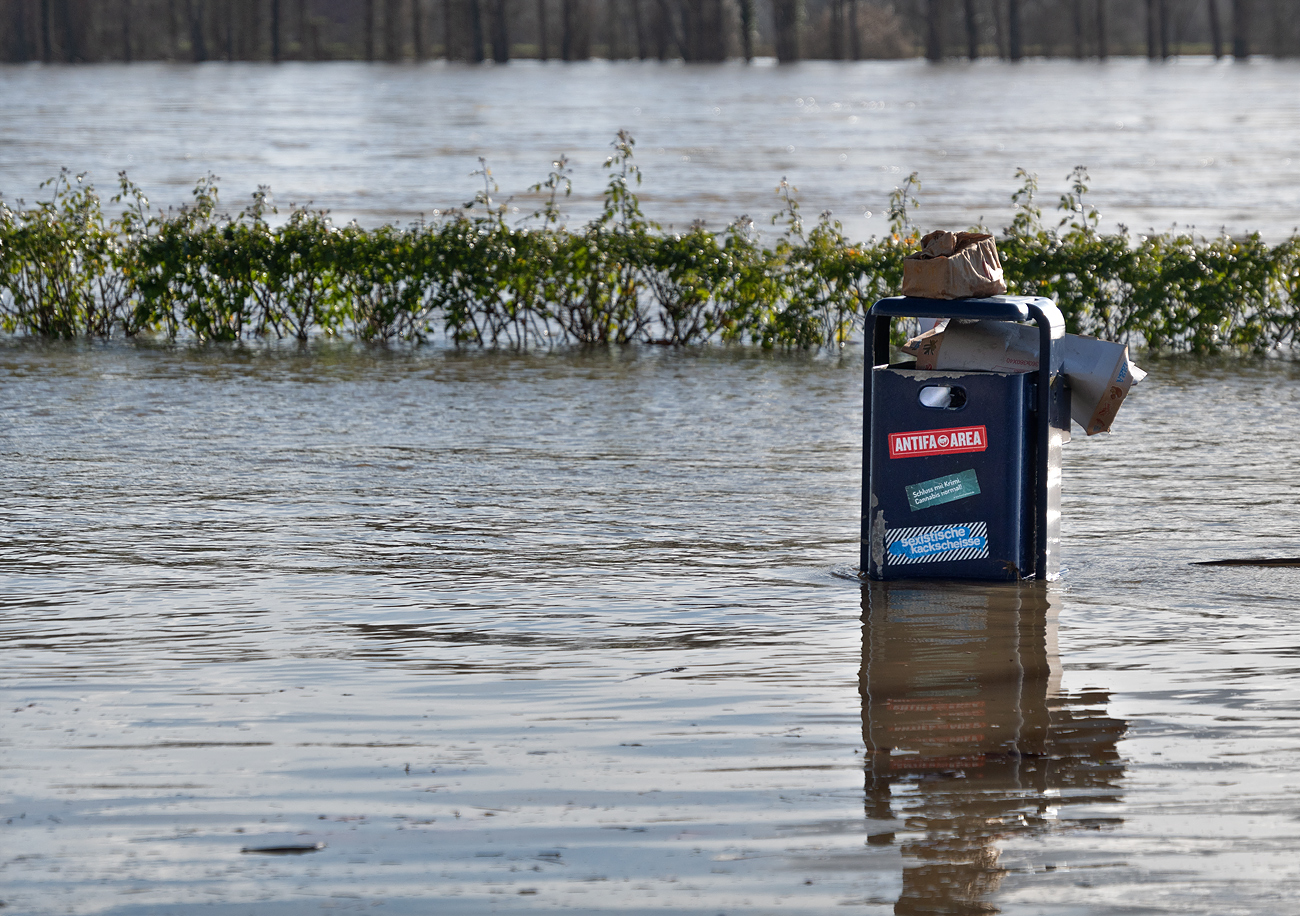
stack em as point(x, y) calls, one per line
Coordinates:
point(936, 543)
point(938, 442)
point(946, 489)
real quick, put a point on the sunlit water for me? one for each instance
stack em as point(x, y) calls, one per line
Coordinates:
point(1193, 141)
point(509, 632)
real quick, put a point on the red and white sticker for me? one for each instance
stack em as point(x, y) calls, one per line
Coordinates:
point(938, 442)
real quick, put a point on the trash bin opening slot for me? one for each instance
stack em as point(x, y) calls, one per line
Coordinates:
point(943, 397)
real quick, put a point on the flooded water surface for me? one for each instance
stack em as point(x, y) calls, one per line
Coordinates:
point(1191, 142)
point(298, 631)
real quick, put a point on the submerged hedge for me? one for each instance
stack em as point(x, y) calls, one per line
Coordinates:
point(66, 271)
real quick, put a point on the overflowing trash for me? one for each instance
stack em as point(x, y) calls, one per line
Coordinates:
point(959, 265)
point(1099, 372)
point(954, 265)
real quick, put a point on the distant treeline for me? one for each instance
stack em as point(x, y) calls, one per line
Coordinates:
point(73, 31)
point(470, 277)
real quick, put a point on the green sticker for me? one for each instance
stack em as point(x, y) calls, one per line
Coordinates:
point(942, 490)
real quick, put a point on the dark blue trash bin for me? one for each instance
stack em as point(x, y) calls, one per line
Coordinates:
point(962, 469)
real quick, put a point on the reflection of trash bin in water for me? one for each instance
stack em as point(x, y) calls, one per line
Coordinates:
point(968, 737)
point(962, 470)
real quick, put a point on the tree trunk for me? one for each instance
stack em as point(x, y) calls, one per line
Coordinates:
point(126, 31)
point(835, 25)
point(420, 49)
point(786, 14)
point(476, 31)
point(854, 37)
point(1103, 37)
point(392, 14)
point(228, 10)
point(1153, 49)
point(1015, 49)
point(543, 44)
point(575, 38)
point(368, 29)
point(22, 32)
point(71, 50)
point(566, 30)
point(500, 32)
point(1077, 12)
point(1162, 8)
point(972, 32)
point(1216, 30)
point(47, 34)
point(275, 30)
point(934, 30)
point(661, 19)
point(690, 33)
point(747, 23)
point(710, 40)
point(1000, 28)
point(642, 47)
point(1241, 29)
point(198, 41)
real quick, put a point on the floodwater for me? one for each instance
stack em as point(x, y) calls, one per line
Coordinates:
point(1190, 142)
point(508, 632)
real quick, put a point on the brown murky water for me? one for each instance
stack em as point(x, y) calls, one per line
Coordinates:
point(514, 632)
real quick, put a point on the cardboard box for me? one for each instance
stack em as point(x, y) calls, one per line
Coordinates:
point(1099, 371)
point(1100, 376)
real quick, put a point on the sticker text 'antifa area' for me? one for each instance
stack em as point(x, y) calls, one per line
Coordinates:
point(938, 442)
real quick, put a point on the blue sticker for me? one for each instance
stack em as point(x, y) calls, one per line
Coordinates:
point(936, 543)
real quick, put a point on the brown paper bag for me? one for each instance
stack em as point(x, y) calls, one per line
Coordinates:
point(954, 265)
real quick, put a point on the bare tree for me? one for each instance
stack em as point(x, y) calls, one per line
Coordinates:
point(47, 33)
point(1241, 29)
point(575, 25)
point(1015, 48)
point(835, 28)
point(1216, 30)
point(500, 31)
point(855, 37)
point(662, 30)
point(543, 47)
point(1000, 28)
point(1162, 8)
point(934, 30)
point(972, 31)
point(786, 15)
point(638, 24)
point(1103, 37)
point(703, 34)
point(476, 31)
point(748, 23)
point(72, 51)
point(198, 40)
point(275, 30)
point(368, 29)
point(420, 49)
point(126, 31)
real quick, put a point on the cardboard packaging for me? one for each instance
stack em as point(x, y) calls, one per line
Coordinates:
point(1099, 371)
point(953, 265)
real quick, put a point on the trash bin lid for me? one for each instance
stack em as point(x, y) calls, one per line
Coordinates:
point(995, 308)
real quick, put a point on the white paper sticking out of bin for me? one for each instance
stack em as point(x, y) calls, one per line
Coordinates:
point(1099, 372)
